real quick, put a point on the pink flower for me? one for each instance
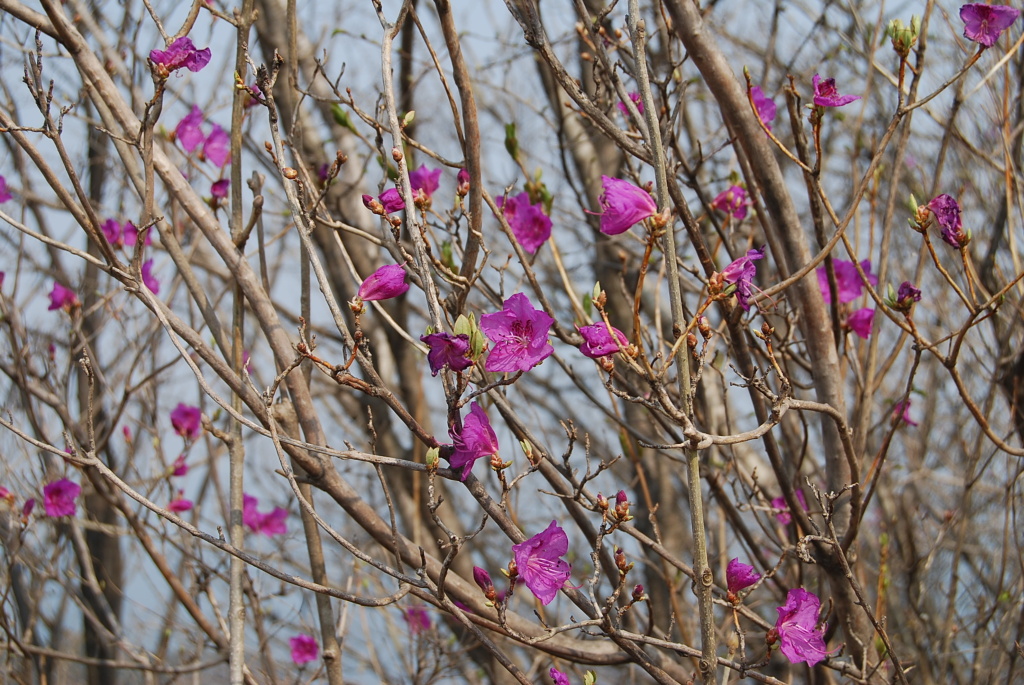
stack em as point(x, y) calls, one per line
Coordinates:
point(219, 189)
point(179, 504)
point(779, 503)
point(28, 507)
point(985, 23)
point(732, 201)
point(557, 677)
point(462, 189)
point(130, 234)
point(59, 497)
point(62, 298)
point(269, 523)
point(826, 95)
point(386, 282)
point(475, 440)
point(417, 618)
point(520, 336)
point(635, 97)
point(217, 147)
point(905, 297)
point(947, 212)
point(538, 563)
point(424, 183)
point(187, 421)
point(5, 194)
point(765, 106)
point(179, 467)
point(598, 342)
point(179, 54)
point(848, 281)
point(739, 576)
point(392, 200)
point(799, 639)
point(189, 130)
point(860, 322)
point(623, 205)
point(304, 649)
point(483, 580)
point(148, 278)
point(740, 272)
point(447, 349)
point(901, 412)
point(529, 224)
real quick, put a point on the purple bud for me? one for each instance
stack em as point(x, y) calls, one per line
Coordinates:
point(386, 282)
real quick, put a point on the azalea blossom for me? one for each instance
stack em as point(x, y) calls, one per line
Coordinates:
point(538, 563)
point(860, 322)
point(623, 205)
point(304, 649)
point(189, 131)
point(739, 576)
point(635, 97)
point(765, 106)
point(180, 54)
point(557, 677)
point(59, 497)
point(733, 201)
point(392, 200)
point(520, 336)
point(799, 639)
point(905, 297)
point(483, 580)
point(447, 349)
point(475, 440)
point(219, 189)
point(148, 278)
point(5, 194)
point(901, 412)
point(386, 282)
point(62, 298)
point(946, 210)
point(739, 273)
point(985, 23)
point(529, 224)
point(598, 342)
point(783, 516)
point(179, 467)
point(269, 523)
point(217, 146)
point(826, 95)
point(462, 189)
point(848, 284)
point(417, 618)
point(187, 421)
point(424, 183)
point(179, 504)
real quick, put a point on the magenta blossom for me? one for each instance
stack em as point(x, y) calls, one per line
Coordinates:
point(62, 298)
point(59, 497)
point(392, 200)
point(181, 54)
point(5, 194)
point(557, 677)
point(447, 349)
point(189, 131)
point(538, 563)
point(148, 278)
point(179, 467)
point(635, 97)
point(520, 336)
point(483, 580)
point(623, 205)
point(985, 23)
point(901, 412)
point(598, 342)
point(765, 106)
point(475, 440)
point(733, 201)
point(417, 618)
point(217, 147)
point(905, 297)
point(860, 322)
point(529, 224)
point(826, 95)
point(740, 272)
point(386, 282)
point(179, 504)
point(947, 213)
point(848, 281)
point(219, 189)
point(462, 189)
point(783, 516)
point(799, 639)
point(424, 180)
point(740, 576)
point(187, 421)
point(269, 523)
point(304, 649)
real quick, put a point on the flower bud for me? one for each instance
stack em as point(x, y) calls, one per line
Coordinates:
point(638, 593)
point(463, 183)
point(290, 173)
point(704, 327)
point(396, 154)
point(904, 37)
point(622, 506)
